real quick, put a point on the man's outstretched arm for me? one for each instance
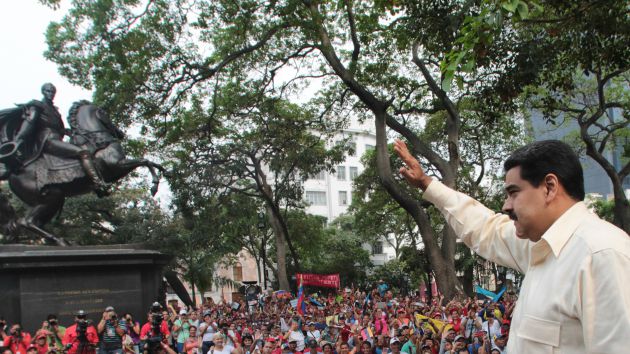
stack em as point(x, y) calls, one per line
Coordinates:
point(489, 234)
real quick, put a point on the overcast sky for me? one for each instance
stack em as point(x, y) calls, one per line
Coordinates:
point(23, 68)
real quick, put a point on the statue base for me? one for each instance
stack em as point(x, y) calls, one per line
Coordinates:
point(41, 280)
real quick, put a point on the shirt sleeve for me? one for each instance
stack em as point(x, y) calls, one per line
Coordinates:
point(604, 292)
point(491, 235)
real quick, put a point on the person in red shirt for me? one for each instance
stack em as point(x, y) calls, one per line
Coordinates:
point(41, 344)
point(80, 338)
point(17, 341)
point(145, 331)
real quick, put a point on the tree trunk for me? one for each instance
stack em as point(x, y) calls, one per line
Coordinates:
point(444, 271)
point(468, 280)
point(621, 210)
point(281, 250)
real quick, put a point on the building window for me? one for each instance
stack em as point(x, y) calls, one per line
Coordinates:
point(354, 173)
point(320, 176)
point(341, 173)
point(343, 198)
point(369, 147)
point(315, 197)
point(238, 272)
point(353, 148)
point(377, 247)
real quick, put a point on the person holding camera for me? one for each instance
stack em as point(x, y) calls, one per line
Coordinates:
point(81, 337)
point(111, 331)
point(147, 328)
point(131, 341)
point(18, 341)
point(52, 331)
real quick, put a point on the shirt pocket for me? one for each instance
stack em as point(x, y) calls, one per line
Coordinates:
point(539, 335)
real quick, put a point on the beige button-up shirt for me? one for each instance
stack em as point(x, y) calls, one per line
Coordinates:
point(575, 297)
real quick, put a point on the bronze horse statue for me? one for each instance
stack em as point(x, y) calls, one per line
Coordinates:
point(46, 182)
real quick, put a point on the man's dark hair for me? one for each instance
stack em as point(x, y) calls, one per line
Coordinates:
point(51, 317)
point(549, 156)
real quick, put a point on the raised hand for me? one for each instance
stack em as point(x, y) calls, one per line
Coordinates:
point(412, 171)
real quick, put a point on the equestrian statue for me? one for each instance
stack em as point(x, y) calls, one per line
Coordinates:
point(42, 169)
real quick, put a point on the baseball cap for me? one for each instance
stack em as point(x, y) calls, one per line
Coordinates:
point(459, 337)
point(30, 347)
point(183, 312)
point(394, 340)
point(109, 308)
point(81, 313)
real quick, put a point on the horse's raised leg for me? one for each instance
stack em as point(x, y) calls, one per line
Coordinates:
point(41, 214)
point(125, 166)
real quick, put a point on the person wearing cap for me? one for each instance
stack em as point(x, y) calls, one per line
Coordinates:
point(41, 343)
point(572, 260)
point(268, 347)
point(491, 326)
point(111, 331)
point(459, 343)
point(181, 329)
point(146, 329)
point(394, 346)
point(32, 349)
point(207, 329)
point(53, 332)
point(471, 324)
point(500, 342)
point(293, 347)
point(77, 342)
point(295, 334)
point(313, 333)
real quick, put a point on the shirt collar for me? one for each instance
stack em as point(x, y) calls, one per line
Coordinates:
point(562, 229)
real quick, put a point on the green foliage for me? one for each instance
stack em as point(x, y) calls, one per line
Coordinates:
point(395, 274)
point(605, 209)
point(336, 248)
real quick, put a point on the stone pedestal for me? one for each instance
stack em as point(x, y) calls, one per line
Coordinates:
point(39, 280)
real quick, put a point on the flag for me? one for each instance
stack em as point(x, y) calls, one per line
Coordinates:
point(301, 304)
point(494, 297)
point(315, 302)
point(366, 333)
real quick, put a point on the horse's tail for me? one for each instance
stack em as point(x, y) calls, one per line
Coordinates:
point(8, 217)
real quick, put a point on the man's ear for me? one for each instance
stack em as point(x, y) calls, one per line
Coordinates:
point(552, 186)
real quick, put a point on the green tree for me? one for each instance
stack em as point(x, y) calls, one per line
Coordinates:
point(572, 65)
point(377, 60)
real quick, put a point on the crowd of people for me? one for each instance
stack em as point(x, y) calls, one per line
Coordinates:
point(348, 321)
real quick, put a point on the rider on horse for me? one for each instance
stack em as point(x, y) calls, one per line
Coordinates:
point(43, 130)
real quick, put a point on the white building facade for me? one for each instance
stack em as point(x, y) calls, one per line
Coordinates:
point(330, 194)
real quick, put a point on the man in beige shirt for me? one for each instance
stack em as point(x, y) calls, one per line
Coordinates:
point(575, 296)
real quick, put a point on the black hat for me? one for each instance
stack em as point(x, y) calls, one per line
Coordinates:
point(81, 313)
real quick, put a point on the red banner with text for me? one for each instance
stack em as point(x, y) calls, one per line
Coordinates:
point(321, 280)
